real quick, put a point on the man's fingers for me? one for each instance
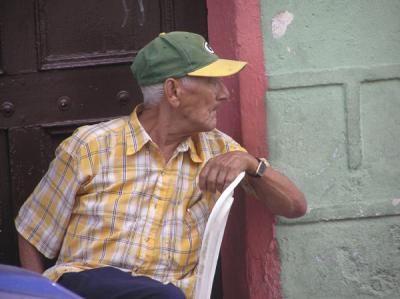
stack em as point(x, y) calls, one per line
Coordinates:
point(207, 178)
point(221, 179)
point(220, 171)
point(231, 175)
point(211, 179)
point(202, 179)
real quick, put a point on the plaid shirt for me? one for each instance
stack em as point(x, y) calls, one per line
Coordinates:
point(110, 199)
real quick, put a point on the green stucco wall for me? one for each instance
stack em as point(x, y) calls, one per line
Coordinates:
point(333, 110)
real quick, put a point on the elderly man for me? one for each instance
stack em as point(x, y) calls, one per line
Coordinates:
point(124, 203)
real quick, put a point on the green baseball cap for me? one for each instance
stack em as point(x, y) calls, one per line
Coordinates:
point(178, 54)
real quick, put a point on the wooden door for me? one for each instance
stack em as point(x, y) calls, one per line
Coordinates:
point(64, 64)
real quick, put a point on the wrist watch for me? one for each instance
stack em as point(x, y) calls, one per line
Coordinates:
point(263, 164)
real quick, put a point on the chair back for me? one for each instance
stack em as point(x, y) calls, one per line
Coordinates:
point(212, 239)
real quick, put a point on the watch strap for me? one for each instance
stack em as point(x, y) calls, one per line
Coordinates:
point(263, 164)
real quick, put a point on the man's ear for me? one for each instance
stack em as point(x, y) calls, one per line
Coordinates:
point(172, 91)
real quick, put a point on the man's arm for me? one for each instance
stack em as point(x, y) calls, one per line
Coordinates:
point(29, 256)
point(280, 194)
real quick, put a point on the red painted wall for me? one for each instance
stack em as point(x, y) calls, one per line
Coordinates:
point(250, 262)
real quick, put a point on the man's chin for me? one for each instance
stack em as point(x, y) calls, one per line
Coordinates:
point(208, 129)
point(211, 127)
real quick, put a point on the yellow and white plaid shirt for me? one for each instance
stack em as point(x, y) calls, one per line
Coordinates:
point(110, 199)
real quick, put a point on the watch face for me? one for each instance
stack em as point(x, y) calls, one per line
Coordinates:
point(265, 161)
point(261, 168)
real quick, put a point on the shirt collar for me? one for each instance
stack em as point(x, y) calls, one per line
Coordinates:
point(189, 145)
point(135, 135)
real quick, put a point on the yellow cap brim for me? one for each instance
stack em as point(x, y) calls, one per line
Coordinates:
point(219, 68)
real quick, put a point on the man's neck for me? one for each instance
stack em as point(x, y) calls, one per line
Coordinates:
point(161, 125)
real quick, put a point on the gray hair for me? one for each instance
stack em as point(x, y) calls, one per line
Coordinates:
point(152, 94)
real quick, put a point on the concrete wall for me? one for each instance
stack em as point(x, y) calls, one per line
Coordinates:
point(333, 110)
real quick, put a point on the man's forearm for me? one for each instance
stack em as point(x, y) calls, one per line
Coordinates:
point(279, 193)
point(29, 256)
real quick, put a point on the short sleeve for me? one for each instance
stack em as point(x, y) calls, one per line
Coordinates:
point(44, 217)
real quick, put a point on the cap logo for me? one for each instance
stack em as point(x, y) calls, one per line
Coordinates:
point(208, 48)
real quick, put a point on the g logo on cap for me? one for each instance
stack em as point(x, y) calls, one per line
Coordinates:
point(208, 48)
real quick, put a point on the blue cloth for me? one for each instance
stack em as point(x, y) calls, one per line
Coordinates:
point(112, 283)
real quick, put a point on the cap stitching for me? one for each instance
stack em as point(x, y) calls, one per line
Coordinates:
point(182, 49)
point(177, 47)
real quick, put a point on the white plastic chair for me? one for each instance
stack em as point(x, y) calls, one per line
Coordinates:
point(212, 241)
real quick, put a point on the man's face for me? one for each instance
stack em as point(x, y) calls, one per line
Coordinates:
point(200, 100)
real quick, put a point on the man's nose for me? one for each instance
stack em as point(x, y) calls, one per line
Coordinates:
point(223, 92)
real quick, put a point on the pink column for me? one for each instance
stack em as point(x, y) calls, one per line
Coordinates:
point(250, 259)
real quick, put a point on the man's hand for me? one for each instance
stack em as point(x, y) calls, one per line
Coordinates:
point(220, 171)
point(278, 192)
